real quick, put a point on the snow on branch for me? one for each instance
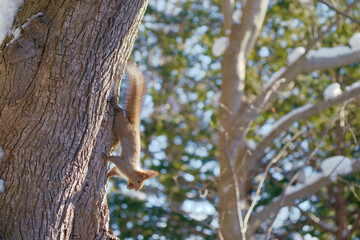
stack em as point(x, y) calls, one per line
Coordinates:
point(220, 45)
point(299, 62)
point(334, 166)
point(329, 52)
point(291, 116)
point(326, 58)
point(332, 91)
point(351, 92)
point(295, 55)
point(277, 75)
point(354, 41)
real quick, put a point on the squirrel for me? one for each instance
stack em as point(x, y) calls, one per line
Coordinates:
point(126, 127)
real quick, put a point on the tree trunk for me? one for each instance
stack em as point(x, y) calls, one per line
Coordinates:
point(55, 80)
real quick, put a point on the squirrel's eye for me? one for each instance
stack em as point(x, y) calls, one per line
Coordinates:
point(138, 181)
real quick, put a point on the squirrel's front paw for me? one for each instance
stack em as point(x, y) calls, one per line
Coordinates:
point(113, 102)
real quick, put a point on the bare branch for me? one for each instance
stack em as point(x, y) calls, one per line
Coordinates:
point(298, 114)
point(258, 191)
point(340, 12)
point(297, 192)
point(320, 223)
point(288, 188)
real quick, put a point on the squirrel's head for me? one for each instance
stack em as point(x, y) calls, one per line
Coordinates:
point(137, 180)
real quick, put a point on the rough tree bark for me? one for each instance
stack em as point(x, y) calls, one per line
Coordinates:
point(55, 80)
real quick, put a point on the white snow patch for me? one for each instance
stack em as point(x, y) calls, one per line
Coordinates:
point(308, 181)
point(237, 16)
point(295, 55)
point(8, 11)
point(274, 77)
point(336, 165)
point(329, 52)
point(1, 153)
point(353, 86)
point(354, 41)
point(286, 117)
point(220, 45)
point(332, 91)
point(16, 32)
point(1, 186)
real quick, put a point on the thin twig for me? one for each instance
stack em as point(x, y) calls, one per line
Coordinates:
point(258, 191)
point(312, 154)
point(340, 12)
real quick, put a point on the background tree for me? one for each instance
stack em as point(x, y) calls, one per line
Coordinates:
point(58, 66)
point(259, 86)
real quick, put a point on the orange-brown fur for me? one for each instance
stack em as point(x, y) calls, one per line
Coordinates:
point(126, 127)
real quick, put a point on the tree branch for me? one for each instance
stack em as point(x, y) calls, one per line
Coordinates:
point(303, 65)
point(296, 192)
point(320, 223)
point(242, 40)
point(300, 113)
point(340, 12)
point(323, 63)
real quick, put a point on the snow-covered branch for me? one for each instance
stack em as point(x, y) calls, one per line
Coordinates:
point(301, 62)
point(319, 61)
point(331, 168)
point(301, 113)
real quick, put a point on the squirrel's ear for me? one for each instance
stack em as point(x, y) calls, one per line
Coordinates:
point(150, 174)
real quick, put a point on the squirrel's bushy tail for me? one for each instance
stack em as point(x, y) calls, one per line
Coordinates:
point(135, 94)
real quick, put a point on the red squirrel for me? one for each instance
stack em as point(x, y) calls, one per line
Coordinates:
point(126, 127)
